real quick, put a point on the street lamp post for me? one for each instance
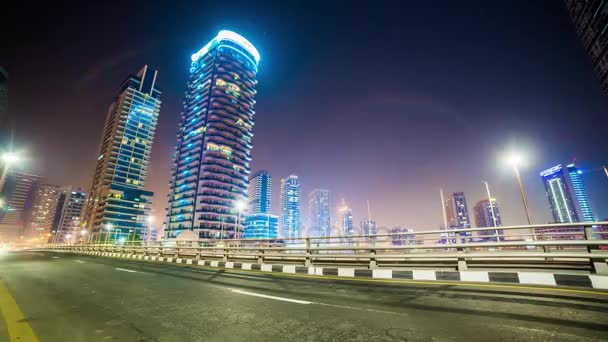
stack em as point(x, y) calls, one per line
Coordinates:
point(240, 205)
point(515, 160)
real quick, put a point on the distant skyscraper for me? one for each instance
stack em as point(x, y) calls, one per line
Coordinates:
point(487, 215)
point(559, 196)
point(319, 206)
point(118, 200)
point(368, 227)
point(591, 19)
point(345, 220)
point(458, 213)
point(259, 223)
point(259, 193)
point(290, 221)
point(403, 236)
point(67, 216)
point(582, 201)
point(18, 195)
point(43, 210)
point(213, 151)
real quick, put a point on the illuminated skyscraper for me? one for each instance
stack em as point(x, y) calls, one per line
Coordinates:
point(259, 223)
point(487, 215)
point(319, 206)
point(259, 192)
point(67, 217)
point(211, 160)
point(43, 210)
point(590, 20)
point(566, 194)
point(118, 201)
point(458, 213)
point(18, 195)
point(368, 227)
point(580, 194)
point(559, 195)
point(345, 220)
point(290, 221)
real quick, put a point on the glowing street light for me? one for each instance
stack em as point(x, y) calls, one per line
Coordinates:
point(515, 160)
point(10, 157)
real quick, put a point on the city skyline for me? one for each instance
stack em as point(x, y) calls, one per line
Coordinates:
point(399, 195)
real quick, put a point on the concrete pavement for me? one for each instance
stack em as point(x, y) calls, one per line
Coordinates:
point(80, 298)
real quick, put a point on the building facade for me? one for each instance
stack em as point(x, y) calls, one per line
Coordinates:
point(259, 192)
point(369, 227)
point(67, 225)
point(319, 206)
point(259, 223)
point(487, 214)
point(345, 220)
point(590, 19)
point(211, 161)
point(43, 211)
point(580, 195)
point(290, 220)
point(17, 196)
point(118, 204)
point(559, 195)
point(261, 226)
point(457, 213)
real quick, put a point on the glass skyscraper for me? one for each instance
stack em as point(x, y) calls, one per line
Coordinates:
point(259, 223)
point(211, 161)
point(259, 192)
point(345, 220)
point(566, 194)
point(43, 210)
point(118, 205)
point(319, 206)
point(18, 195)
point(458, 213)
point(487, 215)
point(580, 194)
point(67, 216)
point(590, 20)
point(559, 195)
point(290, 220)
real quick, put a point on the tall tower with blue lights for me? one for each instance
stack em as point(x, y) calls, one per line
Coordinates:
point(559, 195)
point(580, 194)
point(290, 220)
point(118, 205)
point(211, 161)
point(259, 223)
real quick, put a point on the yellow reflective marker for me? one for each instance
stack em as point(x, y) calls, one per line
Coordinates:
point(18, 328)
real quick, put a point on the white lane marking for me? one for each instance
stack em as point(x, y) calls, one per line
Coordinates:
point(55, 257)
point(272, 297)
point(362, 309)
point(80, 261)
point(124, 270)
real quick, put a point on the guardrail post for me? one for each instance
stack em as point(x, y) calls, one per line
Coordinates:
point(373, 262)
point(598, 266)
point(308, 260)
point(261, 256)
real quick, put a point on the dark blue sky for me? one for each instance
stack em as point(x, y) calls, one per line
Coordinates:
point(383, 101)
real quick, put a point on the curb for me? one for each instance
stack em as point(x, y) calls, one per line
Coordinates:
point(527, 278)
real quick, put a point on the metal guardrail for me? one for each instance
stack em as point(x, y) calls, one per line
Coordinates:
point(580, 246)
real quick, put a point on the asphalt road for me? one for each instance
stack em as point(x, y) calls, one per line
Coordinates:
point(78, 298)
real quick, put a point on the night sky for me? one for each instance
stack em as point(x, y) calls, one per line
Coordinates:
point(386, 103)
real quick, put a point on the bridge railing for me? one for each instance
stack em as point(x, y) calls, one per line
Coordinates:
point(580, 247)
